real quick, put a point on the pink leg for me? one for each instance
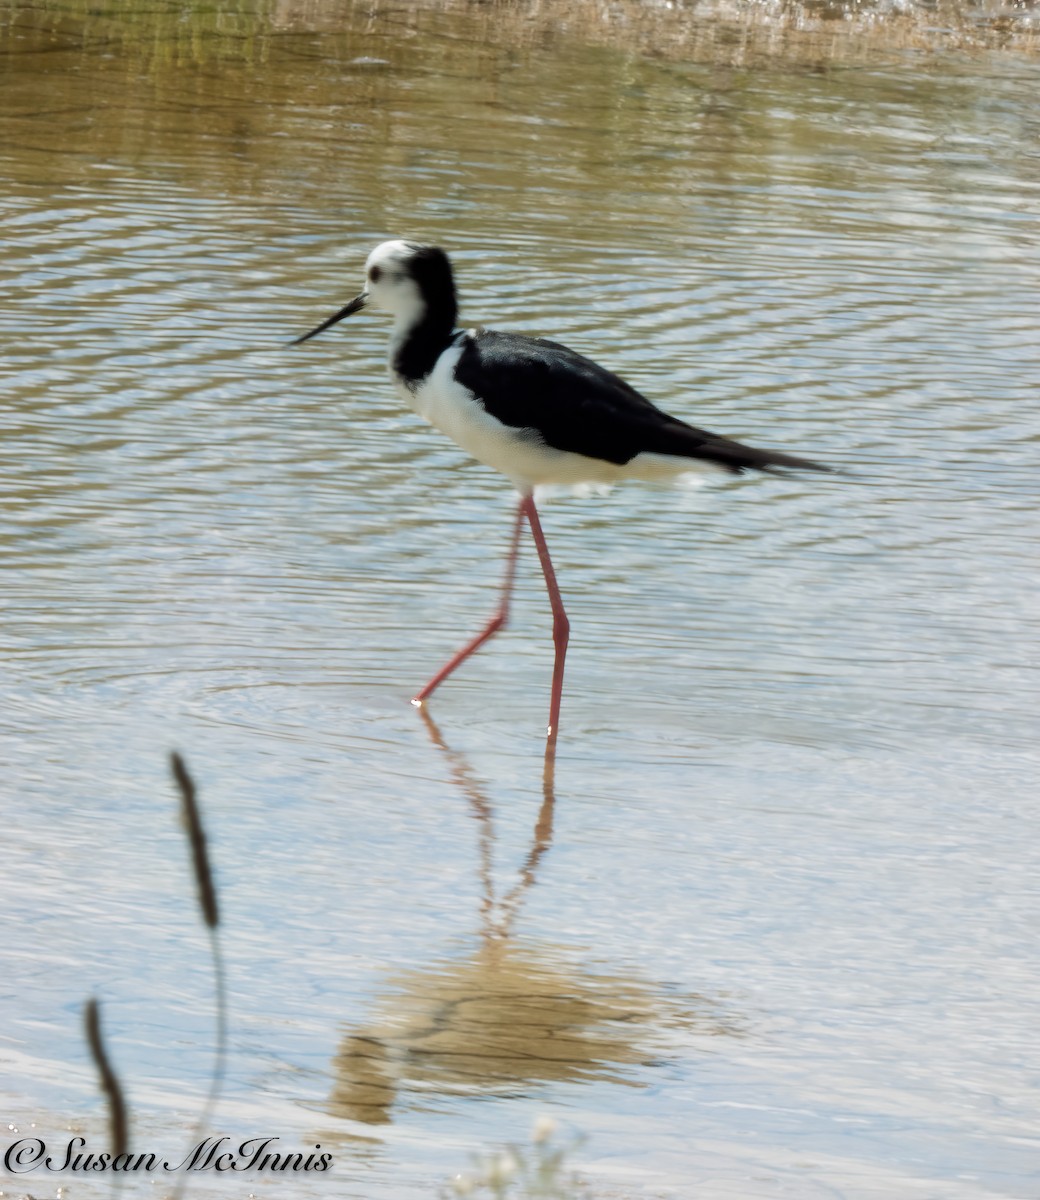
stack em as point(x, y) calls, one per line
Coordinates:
point(497, 621)
point(561, 624)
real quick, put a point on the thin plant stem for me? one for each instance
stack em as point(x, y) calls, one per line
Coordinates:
point(207, 892)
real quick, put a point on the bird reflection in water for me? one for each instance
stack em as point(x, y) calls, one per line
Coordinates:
point(509, 1014)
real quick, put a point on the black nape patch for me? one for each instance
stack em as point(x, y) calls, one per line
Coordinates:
point(431, 270)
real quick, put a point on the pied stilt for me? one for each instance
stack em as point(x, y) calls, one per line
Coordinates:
point(533, 409)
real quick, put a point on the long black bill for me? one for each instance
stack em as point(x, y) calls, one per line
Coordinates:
point(357, 303)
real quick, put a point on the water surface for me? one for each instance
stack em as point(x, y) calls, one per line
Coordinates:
point(773, 930)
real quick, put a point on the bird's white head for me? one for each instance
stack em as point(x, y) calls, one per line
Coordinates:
point(410, 281)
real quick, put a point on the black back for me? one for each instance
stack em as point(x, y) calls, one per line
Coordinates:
point(574, 404)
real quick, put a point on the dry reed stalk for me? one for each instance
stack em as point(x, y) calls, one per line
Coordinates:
point(110, 1085)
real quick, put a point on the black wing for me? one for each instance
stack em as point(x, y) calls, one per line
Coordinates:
point(576, 405)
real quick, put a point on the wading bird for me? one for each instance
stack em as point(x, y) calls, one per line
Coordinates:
point(533, 409)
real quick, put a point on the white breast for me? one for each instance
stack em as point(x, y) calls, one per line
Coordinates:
point(454, 410)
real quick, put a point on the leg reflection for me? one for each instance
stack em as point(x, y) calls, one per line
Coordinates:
point(499, 925)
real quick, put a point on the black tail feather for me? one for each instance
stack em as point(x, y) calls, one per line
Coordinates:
point(684, 441)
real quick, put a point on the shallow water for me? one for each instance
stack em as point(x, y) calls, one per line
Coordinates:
point(773, 930)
